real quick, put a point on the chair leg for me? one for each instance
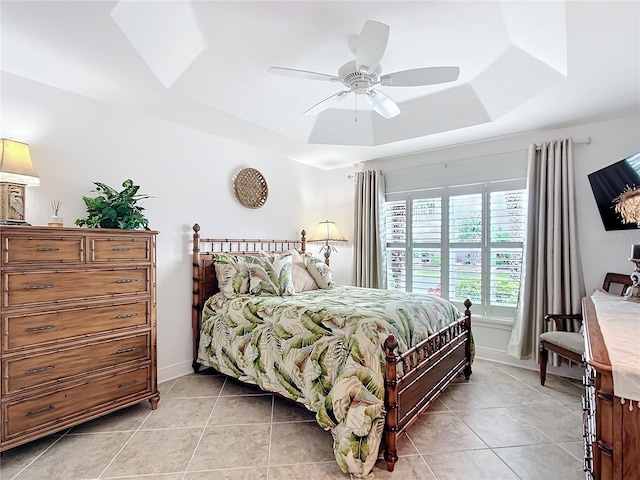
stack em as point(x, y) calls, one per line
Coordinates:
point(543, 358)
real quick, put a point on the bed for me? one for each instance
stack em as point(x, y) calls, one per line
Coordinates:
point(366, 369)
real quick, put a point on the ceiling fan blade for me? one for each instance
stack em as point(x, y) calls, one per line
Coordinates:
point(383, 104)
point(420, 76)
point(371, 45)
point(292, 72)
point(326, 103)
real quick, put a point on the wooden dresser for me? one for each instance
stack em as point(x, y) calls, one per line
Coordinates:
point(611, 428)
point(78, 317)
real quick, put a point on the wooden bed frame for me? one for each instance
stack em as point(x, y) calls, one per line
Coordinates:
point(413, 380)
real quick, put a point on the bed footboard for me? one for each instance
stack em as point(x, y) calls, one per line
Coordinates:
point(416, 378)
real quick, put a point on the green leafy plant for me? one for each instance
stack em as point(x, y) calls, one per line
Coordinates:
point(115, 209)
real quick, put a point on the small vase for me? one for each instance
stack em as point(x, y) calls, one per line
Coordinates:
point(55, 221)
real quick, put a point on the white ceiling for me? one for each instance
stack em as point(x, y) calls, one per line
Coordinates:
point(524, 66)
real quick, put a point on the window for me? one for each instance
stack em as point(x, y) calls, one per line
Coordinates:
point(459, 242)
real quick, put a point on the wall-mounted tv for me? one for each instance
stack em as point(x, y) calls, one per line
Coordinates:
point(608, 183)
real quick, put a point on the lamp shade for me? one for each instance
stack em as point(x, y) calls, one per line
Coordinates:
point(327, 232)
point(15, 163)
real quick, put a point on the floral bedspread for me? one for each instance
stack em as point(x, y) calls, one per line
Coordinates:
point(322, 348)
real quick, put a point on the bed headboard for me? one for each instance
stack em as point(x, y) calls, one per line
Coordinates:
point(204, 275)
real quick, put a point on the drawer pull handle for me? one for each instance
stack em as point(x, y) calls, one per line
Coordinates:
point(39, 329)
point(48, 249)
point(38, 412)
point(124, 249)
point(38, 287)
point(127, 315)
point(127, 280)
point(37, 370)
point(125, 350)
point(605, 448)
point(129, 384)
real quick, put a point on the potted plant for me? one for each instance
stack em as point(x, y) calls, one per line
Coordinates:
point(115, 209)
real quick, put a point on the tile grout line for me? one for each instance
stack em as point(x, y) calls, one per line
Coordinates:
point(204, 429)
point(505, 463)
point(131, 436)
point(123, 446)
point(492, 449)
point(39, 455)
point(273, 403)
point(421, 456)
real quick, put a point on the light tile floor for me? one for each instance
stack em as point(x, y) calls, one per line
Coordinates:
point(500, 425)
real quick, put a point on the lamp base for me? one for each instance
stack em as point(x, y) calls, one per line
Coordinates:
point(327, 253)
point(12, 203)
point(632, 294)
point(14, 222)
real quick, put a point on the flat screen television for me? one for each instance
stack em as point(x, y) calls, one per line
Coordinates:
point(608, 183)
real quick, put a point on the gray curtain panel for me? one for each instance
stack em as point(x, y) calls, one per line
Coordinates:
point(368, 240)
point(552, 280)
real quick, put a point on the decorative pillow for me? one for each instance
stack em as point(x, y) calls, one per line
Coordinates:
point(232, 273)
point(269, 276)
point(302, 279)
point(320, 271)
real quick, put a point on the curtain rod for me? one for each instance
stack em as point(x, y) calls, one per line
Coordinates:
point(586, 141)
point(350, 176)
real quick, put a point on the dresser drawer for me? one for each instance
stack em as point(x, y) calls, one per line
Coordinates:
point(605, 418)
point(50, 249)
point(38, 370)
point(51, 411)
point(41, 287)
point(40, 329)
point(110, 249)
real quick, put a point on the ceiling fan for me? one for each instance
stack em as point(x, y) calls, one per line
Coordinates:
point(362, 74)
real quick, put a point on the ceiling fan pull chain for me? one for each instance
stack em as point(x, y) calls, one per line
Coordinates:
point(355, 113)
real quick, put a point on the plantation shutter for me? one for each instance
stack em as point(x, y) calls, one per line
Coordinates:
point(508, 220)
point(459, 242)
point(396, 232)
point(465, 247)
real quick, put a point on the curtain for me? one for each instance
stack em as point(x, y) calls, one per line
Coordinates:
point(368, 235)
point(552, 280)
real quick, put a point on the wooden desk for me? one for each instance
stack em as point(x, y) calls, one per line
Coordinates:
point(611, 429)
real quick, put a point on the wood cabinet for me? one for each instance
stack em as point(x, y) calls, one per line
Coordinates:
point(611, 426)
point(78, 319)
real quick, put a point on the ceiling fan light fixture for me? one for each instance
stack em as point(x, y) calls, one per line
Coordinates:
point(383, 104)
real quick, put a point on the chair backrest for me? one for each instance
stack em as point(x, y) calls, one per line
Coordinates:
point(621, 279)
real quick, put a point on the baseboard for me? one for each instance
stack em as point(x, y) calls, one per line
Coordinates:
point(500, 356)
point(174, 371)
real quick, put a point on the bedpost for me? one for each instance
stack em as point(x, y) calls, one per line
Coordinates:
point(303, 240)
point(467, 348)
point(196, 307)
point(391, 389)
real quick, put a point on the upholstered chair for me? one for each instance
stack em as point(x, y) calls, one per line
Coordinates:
point(566, 343)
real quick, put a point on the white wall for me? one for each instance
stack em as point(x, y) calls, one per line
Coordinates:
point(506, 157)
point(75, 141)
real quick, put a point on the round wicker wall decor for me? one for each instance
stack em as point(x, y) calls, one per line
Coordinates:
point(251, 188)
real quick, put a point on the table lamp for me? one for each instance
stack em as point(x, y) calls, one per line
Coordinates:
point(327, 233)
